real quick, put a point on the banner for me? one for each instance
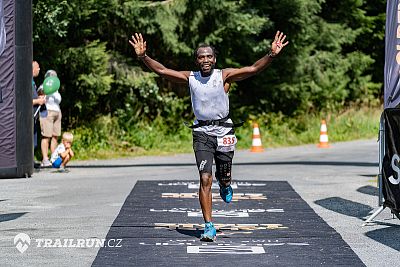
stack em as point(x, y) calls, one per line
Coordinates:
point(392, 55)
point(391, 160)
point(2, 29)
point(7, 85)
point(16, 141)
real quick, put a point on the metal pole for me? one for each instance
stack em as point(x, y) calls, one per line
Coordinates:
point(376, 213)
point(381, 155)
point(382, 144)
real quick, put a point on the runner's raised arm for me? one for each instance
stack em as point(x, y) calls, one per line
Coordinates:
point(140, 49)
point(232, 75)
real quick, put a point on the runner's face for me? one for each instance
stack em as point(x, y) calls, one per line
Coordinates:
point(205, 60)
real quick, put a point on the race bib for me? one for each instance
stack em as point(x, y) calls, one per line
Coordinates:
point(226, 143)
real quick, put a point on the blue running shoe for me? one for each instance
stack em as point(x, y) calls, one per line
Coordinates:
point(226, 193)
point(209, 233)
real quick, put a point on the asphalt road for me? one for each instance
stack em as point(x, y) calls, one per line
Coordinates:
point(339, 184)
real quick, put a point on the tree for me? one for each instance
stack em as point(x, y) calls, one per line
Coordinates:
point(334, 57)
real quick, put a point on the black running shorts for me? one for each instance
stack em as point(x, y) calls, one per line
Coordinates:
point(204, 147)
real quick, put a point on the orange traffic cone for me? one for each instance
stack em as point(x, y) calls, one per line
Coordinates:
point(256, 145)
point(323, 136)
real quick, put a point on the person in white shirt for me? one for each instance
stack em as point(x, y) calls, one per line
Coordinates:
point(213, 130)
point(50, 125)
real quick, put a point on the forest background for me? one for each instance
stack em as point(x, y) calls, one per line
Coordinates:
point(332, 69)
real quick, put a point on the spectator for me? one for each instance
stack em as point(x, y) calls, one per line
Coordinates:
point(50, 125)
point(37, 102)
point(63, 152)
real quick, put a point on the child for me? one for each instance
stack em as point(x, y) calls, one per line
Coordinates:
point(63, 153)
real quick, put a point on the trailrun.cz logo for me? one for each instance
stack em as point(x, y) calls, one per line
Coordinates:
point(22, 242)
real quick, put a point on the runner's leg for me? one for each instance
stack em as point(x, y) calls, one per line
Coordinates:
point(205, 196)
point(204, 148)
point(223, 162)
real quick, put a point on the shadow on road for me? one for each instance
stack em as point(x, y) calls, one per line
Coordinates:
point(389, 236)
point(194, 233)
point(369, 190)
point(11, 216)
point(370, 175)
point(310, 163)
point(345, 207)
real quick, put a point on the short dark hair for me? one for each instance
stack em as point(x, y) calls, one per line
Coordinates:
point(203, 45)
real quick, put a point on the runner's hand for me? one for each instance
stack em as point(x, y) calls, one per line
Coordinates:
point(138, 44)
point(278, 43)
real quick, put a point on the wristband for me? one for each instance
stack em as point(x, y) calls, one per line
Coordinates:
point(271, 55)
point(142, 57)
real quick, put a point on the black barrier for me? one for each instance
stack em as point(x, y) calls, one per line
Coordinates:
point(391, 170)
point(16, 132)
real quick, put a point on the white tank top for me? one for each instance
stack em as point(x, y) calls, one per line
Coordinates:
point(209, 101)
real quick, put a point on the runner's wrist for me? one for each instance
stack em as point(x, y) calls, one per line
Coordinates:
point(272, 54)
point(141, 57)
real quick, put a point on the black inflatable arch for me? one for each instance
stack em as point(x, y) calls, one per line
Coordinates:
point(16, 123)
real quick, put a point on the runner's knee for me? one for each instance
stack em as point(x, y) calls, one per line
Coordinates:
point(205, 180)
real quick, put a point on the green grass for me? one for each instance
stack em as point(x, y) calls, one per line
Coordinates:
point(281, 131)
point(105, 139)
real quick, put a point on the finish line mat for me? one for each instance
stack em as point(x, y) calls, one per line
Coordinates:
point(267, 224)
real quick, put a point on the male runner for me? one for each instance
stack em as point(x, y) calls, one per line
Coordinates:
point(213, 130)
